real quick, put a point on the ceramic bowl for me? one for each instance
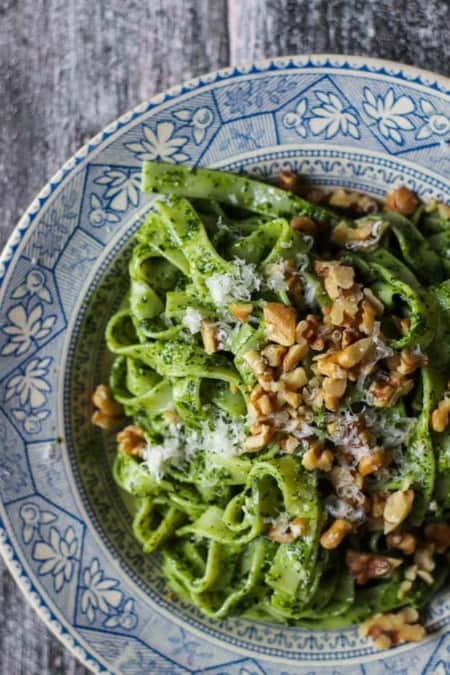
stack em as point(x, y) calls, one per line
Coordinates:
point(64, 528)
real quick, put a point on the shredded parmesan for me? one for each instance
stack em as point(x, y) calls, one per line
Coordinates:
point(192, 320)
point(220, 436)
point(239, 286)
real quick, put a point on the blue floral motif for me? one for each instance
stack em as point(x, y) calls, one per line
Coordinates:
point(99, 214)
point(33, 285)
point(296, 119)
point(162, 144)
point(249, 94)
point(102, 594)
point(25, 329)
point(391, 114)
point(30, 384)
point(31, 421)
point(32, 518)
point(436, 124)
point(57, 556)
point(123, 188)
point(333, 116)
point(125, 618)
point(199, 119)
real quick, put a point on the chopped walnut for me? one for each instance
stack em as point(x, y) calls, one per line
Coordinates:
point(132, 441)
point(397, 508)
point(295, 379)
point(403, 541)
point(371, 463)
point(402, 200)
point(286, 394)
point(274, 354)
point(355, 201)
point(209, 337)
point(295, 354)
point(316, 195)
point(262, 434)
point(336, 277)
point(366, 566)
point(305, 224)
point(386, 392)
point(307, 329)
point(388, 630)
point(108, 411)
point(287, 180)
point(411, 361)
point(316, 458)
point(439, 534)
point(255, 361)
point(333, 390)
point(443, 210)
point(241, 311)
point(423, 557)
point(288, 533)
point(280, 322)
point(289, 444)
point(332, 537)
point(440, 416)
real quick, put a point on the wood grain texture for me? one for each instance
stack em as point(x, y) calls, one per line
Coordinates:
point(401, 30)
point(68, 67)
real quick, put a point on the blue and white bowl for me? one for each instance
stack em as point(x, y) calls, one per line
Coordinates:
point(64, 529)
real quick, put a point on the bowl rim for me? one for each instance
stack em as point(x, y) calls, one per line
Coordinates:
point(333, 61)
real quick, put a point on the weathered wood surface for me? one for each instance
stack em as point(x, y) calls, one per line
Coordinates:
point(68, 67)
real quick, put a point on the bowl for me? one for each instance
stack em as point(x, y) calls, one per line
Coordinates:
point(64, 526)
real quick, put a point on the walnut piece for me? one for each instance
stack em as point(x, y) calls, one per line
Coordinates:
point(371, 463)
point(241, 310)
point(388, 630)
point(336, 276)
point(366, 566)
point(132, 441)
point(295, 354)
point(440, 416)
point(439, 534)
point(317, 458)
point(287, 180)
point(288, 533)
point(403, 541)
point(262, 434)
point(280, 322)
point(402, 200)
point(209, 337)
point(397, 508)
point(332, 537)
point(108, 412)
point(274, 354)
point(305, 224)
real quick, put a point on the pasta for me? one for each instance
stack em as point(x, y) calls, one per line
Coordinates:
point(284, 365)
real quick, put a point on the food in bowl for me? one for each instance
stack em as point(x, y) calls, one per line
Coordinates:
point(283, 363)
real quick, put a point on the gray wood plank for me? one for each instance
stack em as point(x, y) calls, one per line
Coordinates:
point(410, 31)
point(73, 66)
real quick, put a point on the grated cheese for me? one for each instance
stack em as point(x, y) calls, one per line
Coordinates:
point(220, 436)
point(192, 320)
point(239, 286)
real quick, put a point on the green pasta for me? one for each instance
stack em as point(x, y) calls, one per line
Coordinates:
point(283, 379)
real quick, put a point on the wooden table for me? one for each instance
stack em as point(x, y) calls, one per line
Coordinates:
point(71, 66)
